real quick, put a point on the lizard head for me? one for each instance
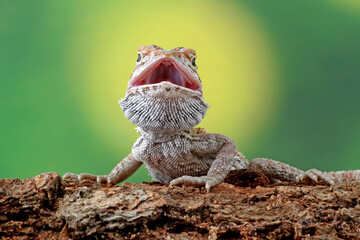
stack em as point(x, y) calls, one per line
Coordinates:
point(164, 92)
point(155, 65)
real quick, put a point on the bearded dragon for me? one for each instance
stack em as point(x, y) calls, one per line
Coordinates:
point(165, 100)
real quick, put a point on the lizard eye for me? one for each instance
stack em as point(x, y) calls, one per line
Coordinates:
point(193, 59)
point(139, 58)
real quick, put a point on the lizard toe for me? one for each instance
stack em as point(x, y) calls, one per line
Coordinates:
point(314, 175)
point(209, 182)
point(190, 180)
point(69, 175)
point(102, 179)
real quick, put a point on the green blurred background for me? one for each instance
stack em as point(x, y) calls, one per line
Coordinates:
point(282, 79)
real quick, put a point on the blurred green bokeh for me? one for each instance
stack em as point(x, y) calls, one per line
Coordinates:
point(282, 79)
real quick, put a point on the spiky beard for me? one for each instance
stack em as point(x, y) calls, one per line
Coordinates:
point(164, 107)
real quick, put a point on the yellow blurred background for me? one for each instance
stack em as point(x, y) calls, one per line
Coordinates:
point(282, 79)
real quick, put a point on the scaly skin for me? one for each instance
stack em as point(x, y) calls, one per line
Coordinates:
point(165, 100)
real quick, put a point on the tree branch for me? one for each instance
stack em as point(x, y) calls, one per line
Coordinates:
point(45, 207)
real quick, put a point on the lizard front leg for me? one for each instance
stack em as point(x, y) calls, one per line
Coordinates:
point(121, 172)
point(209, 144)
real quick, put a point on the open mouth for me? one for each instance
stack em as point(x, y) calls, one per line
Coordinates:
point(166, 70)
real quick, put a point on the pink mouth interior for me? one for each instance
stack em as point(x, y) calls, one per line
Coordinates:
point(166, 70)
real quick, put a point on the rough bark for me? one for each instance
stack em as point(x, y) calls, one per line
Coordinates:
point(45, 207)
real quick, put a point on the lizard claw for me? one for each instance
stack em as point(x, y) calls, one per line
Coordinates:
point(196, 181)
point(314, 175)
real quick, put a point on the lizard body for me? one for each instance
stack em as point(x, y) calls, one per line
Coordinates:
point(164, 99)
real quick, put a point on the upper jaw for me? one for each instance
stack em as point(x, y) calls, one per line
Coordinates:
point(168, 71)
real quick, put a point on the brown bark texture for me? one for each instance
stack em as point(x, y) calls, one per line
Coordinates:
point(245, 206)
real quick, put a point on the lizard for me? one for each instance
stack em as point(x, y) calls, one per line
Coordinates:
point(164, 99)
